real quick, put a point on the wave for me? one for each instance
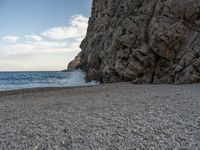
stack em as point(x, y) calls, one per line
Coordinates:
point(21, 80)
point(77, 78)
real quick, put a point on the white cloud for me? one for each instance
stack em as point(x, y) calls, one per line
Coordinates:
point(51, 52)
point(11, 39)
point(38, 48)
point(76, 29)
point(34, 38)
point(38, 55)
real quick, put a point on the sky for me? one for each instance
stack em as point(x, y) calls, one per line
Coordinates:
point(41, 35)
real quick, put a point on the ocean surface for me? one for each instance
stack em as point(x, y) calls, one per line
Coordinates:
point(23, 80)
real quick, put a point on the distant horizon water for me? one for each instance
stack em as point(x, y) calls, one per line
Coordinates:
point(41, 79)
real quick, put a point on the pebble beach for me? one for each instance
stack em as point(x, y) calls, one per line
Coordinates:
point(106, 117)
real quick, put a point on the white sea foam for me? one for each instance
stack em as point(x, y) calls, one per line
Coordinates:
point(77, 78)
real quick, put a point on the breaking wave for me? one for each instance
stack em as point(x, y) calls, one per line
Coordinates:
point(21, 80)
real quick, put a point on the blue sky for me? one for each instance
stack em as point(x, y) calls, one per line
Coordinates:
point(41, 34)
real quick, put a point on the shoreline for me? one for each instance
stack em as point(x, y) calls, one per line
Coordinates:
point(53, 89)
point(40, 90)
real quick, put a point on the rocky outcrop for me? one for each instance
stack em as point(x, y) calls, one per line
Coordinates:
point(74, 64)
point(143, 41)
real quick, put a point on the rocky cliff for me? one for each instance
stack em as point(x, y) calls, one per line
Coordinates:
point(74, 64)
point(143, 41)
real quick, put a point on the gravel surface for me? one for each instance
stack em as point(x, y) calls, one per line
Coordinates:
point(113, 116)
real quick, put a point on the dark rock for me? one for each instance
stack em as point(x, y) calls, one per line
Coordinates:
point(74, 64)
point(143, 41)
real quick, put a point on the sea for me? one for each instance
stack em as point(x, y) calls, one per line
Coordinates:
point(24, 80)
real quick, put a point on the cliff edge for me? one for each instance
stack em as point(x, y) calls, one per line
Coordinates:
point(143, 41)
point(74, 64)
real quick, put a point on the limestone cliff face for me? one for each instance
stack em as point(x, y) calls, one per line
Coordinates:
point(143, 41)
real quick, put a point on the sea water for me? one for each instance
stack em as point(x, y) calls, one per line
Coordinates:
point(23, 80)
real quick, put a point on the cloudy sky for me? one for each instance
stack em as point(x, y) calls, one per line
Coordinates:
point(40, 35)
